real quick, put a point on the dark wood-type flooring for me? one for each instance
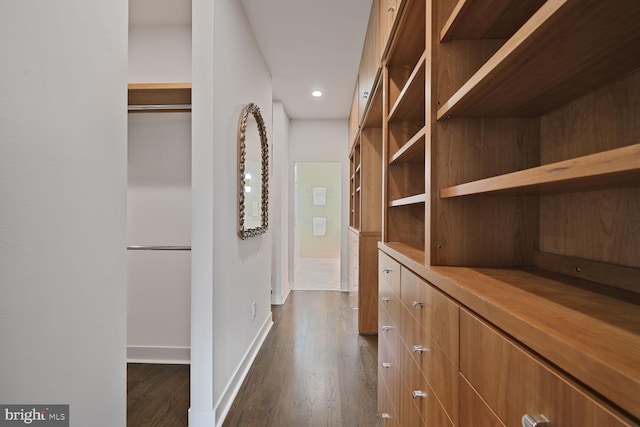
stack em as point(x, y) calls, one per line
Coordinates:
point(157, 395)
point(312, 370)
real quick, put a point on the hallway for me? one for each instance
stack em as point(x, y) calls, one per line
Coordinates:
point(313, 369)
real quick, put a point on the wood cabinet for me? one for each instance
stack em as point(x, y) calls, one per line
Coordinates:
point(418, 357)
point(511, 181)
point(495, 366)
point(366, 215)
point(470, 337)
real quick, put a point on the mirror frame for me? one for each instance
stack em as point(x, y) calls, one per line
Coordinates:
point(245, 233)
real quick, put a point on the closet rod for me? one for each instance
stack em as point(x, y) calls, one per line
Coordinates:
point(159, 107)
point(158, 248)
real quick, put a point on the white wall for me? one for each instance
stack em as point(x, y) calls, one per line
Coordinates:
point(281, 281)
point(62, 206)
point(159, 53)
point(228, 274)
point(321, 141)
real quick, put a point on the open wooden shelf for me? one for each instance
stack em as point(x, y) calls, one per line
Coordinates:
point(406, 201)
point(555, 57)
point(613, 167)
point(488, 19)
point(159, 97)
point(412, 151)
point(410, 104)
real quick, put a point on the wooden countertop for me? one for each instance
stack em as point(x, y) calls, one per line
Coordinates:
point(591, 332)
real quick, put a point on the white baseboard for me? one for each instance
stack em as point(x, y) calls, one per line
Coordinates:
point(231, 390)
point(165, 355)
point(201, 418)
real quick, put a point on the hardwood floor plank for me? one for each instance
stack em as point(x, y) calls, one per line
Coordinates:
point(313, 369)
point(157, 395)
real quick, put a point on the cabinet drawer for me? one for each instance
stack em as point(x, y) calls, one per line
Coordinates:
point(389, 271)
point(474, 412)
point(390, 302)
point(436, 314)
point(441, 374)
point(430, 413)
point(513, 382)
point(386, 409)
point(389, 375)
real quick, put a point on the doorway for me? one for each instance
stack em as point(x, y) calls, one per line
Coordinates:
point(317, 226)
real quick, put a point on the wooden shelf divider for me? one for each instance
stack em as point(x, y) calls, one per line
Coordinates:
point(412, 151)
point(487, 19)
point(175, 96)
point(600, 170)
point(410, 101)
point(411, 200)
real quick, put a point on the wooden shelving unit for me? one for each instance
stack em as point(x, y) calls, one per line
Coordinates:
point(366, 216)
point(511, 166)
point(159, 97)
point(405, 130)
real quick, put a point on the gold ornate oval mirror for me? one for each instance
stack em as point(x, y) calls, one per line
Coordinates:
point(253, 173)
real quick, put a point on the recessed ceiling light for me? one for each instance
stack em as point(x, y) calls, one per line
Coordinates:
point(316, 93)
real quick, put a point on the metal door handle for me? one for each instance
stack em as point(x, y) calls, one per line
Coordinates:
point(419, 349)
point(417, 304)
point(385, 299)
point(418, 393)
point(535, 420)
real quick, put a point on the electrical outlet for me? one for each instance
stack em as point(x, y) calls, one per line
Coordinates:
point(253, 310)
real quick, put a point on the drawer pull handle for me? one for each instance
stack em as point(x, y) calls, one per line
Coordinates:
point(535, 420)
point(387, 328)
point(417, 304)
point(419, 349)
point(385, 299)
point(387, 270)
point(385, 416)
point(418, 393)
point(386, 365)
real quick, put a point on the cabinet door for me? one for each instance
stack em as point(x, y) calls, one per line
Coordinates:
point(389, 271)
point(387, 14)
point(369, 62)
point(353, 267)
point(514, 383)
point(354, 118)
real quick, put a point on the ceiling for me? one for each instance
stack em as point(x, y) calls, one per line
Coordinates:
point(307, 44)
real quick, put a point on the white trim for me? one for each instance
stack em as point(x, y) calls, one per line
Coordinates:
point(202, 418)
point(231, 390)
point(151, 354)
